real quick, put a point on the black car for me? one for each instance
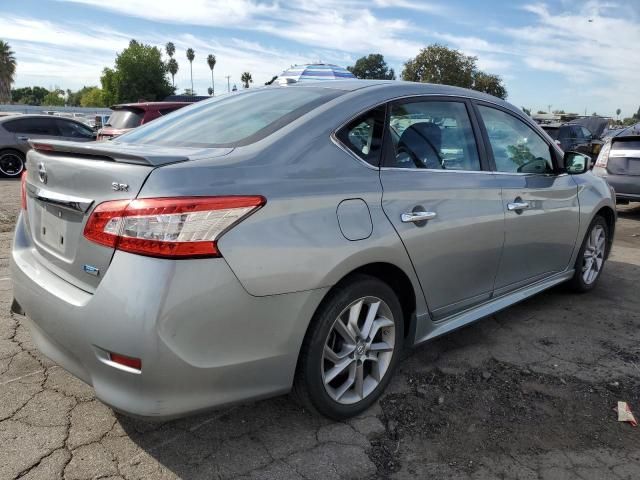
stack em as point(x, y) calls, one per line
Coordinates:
point(574, 137)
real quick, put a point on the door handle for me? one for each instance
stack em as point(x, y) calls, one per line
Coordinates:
point(420, 216)
point(518, 205)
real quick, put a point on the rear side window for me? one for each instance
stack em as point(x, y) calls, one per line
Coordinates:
point(434, 135)
point(33, 126)
point(363, 135)
point(232, 120)
point(125, 119)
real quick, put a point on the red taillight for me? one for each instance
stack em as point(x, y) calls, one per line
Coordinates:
point(23, 190)
point(603, 157)
point(43, 147)
point(185, 227)
point(130, 362)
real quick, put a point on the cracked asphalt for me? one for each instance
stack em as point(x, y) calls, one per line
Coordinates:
point(527, 393)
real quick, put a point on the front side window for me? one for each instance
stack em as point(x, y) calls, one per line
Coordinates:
point(73, 129)
point(434, 135)
point(231, 120)
point(363, 135)
point(517, 148)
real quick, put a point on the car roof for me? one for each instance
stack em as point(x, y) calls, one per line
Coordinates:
point(36, 115)
point(399, 88)
point(149, 105)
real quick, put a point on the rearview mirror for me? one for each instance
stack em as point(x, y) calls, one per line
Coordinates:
point(576, 163)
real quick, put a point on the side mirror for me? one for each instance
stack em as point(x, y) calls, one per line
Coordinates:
point(576, 163)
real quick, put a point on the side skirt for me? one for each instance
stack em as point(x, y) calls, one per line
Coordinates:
point(461, 319)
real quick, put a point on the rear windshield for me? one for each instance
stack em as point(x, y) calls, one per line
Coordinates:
point(622, 144)
point(125, 119)
point(232, 120)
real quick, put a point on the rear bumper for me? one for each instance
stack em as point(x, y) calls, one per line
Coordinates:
point(203, 340)
point(627, 187)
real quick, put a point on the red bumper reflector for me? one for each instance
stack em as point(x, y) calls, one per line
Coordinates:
point(126, 361)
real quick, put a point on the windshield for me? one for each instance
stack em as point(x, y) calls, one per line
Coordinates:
point(125, 119)
point(232, 120)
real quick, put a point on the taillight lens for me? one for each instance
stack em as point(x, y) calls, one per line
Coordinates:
point(603, 156)
point(23, 190)
point(185, 227)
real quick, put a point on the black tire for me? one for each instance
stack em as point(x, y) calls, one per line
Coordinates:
point(578, 283)
point(11, 163)
point(309, 389)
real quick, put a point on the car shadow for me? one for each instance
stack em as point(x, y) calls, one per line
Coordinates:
point(288, 442)
point(630, 211)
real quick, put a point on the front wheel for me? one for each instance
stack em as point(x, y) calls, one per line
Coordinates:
point(351, 349)
point(11, 163)
point(592, 256)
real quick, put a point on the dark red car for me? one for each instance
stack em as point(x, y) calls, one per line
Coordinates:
point(128, 116)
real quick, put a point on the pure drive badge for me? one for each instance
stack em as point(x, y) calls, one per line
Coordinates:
point(91, 270)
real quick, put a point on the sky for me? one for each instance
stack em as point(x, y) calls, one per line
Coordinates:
point(571, 54)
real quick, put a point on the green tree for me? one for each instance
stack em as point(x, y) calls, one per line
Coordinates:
point(8, 65)
point(170, 48)
point(55, 98)
point(191, 55)
point(172, 67)
point(439, 64)
point(618, 112)
point(74, 98)
point(29, 95)
point(246, 79)
point(489, 83)
point(139, 74)
point(372, 67)
point(211, 61)
point(92, 98)
point(172, 64)
point(273, 79)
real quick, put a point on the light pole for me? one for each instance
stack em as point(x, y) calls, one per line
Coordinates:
point(228, 84)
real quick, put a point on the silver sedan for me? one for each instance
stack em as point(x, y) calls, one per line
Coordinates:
point(295, 237)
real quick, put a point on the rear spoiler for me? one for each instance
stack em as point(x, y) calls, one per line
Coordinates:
point(105, 151)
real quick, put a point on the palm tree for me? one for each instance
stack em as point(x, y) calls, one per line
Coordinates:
point(190, 56)
point(170, 49)
point(211, 61)
point(618, 111)
point(246, 79)
point(7, 71)
point(172, 66)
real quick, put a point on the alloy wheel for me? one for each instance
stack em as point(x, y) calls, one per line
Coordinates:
point(358, 350)
point(11, 165)
point(593, 257)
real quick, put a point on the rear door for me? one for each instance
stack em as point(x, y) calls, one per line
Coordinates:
point(442, 201)
point(540, 205)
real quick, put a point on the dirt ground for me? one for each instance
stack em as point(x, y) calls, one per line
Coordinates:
point(527, 393)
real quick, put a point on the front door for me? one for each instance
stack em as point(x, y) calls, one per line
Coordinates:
point(541, 206)
point(443, 201)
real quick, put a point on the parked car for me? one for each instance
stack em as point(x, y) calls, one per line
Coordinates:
point(128, 116)
point(16, 131)
point(100, 121)
point(619, 164)
point(571, 137)
point(295, 236)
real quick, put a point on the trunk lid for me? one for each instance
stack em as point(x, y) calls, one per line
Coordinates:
point(65, 181)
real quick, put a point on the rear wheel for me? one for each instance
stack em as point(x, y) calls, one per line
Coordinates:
point(351, 349)
point(592, 256)
point(11, 163)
